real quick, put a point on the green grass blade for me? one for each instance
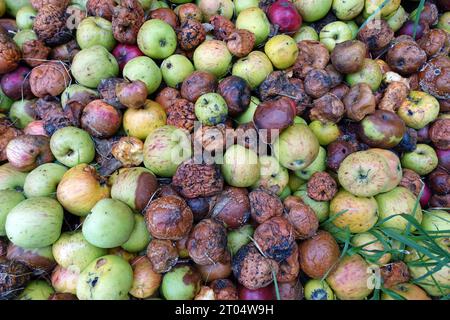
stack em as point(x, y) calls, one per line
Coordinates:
point(416, 20)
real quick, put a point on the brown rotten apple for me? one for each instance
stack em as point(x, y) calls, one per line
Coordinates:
point(232, 207)
point(348, 56)
point(100, 119)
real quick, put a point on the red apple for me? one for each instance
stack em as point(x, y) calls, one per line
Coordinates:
point(284, 14)
point(444, 158)
point(426, 195)
point(266, 293)
point(408, 29)
point(100, 119)
point(125, 52)
point(16, 83)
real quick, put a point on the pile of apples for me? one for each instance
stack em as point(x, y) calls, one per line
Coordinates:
point(101, 195)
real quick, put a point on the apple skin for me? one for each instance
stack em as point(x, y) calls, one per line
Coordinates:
point(254, 20)
point(296, 147)
point(210, 8)
point(65, 280)
point(22, 113)
point(318, 290)
point(361, 214)
point(318, 165)
point(408, 291)
point(139, 238)
point(5, 102)
point(395, 172)
point(398, 201)
point(444, 22)
point(36, 290)
point(240, 167)
point(25, 17)
point(254, 68)
point(126, 52)
point(273, 176)
point(144, 69)
point(140, 123)
point(10, 178)
point(109, 224)
point(326, 133)
point(72, 146)
point(347, 10)
point(247, 116)
point(334, 33)
point(175, 69)
point(39, 260)
point(423, 160)
point(372, 5)
point(8, 200)
point(382, 129)
point(370, 74)
point(72, 250)
point(396, 19)
point(90, 66)
point(364, 174)
point(353, 28)
point(35, 223)
point(75, 91)
point(80, 189)
point(320, 208)
point(370, 244)
point(313, 10)
point(157, 39)
point(213, 56)
point(241, 5)
point(13, 6)
point(418, 109)
point(211, 109)
point(94, 31)
point(239, 238)
point(350, 278)
point(306, 33)
point(134, 187)
point(282, 51)
point(165, 149)
point(436, 220)
point(42, 181)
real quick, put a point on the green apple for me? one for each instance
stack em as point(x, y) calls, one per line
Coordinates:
point(313, 10)
point(254, 20)
point(358, 214)
point(306, 33)
point(240, 167)
point(241, 5)
point(437, 221)
point(146, 4)
point(144, 69)
point(334, 33)
point(175, 69)
point(318, 165)
point(213, 56)
point(72, 146)
point(6, 102)
point(25, 17)
point(109, 224)
point(134, 187)
point(371, 248)
point(2, 8)
point(76, 91)
point(13, 6)
point(353, 28)
point(35, 222)
point(23, 36)
point(10, 178)
point(444, 22)
point(183, 282)
point(298, 120)
point(36, 290)
point(247, 116)
point(282, 51)
point(211, 8)
point(418, 109)
point(42, 181)
point(422, 160)
point(397, 18)
point(161, 4)
point(254, 68)
point(211, 109)
point(318, 290)
point(22, 113)
point(370, 74)
point(320, 208)
point(285, 193)
point(72, 250)
point(139, 123)
point(90, 66)
point(239, 238)
point(93, 31)
point(347, 9)
point(395, 202)
point(139, 238)
point(325, 132)
point(106, 278)
point(364, 173)
point(165, 149)
point(157, 39)
point(8, 200)
point(296, 147)
point(382, 129)
point(273, 176)
point(372, 5)
point(295, 183)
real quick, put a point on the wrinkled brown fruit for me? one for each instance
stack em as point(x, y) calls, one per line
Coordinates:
point(163, 255)
point(217, 270)
point(434, 78)
point(312, 55)
point(359, 102)
point(439, 182)
point(132, 94)
point(348, 56)
point(223, 27)
point(50, 78)
point(237, 94)
point(165, 14)
point(303, 219)
point(439, 133)
point(224, 289)
point(394, 273)
point(167, 97)
point(406, 57)
point(197, 84)
point(127, 19)
point(190, 34)
point(50, 25)
point(232, 207)
point(182, 114)
point(264, 205)
point(189, 11)
point(129, 151)
point(35, 52)
point(337, 151)
point(101, 8)
point(327, 109)
point(9, 54)
point(393, 96)
point(435, 42)
point(241, 42)
point(411, 180)
point(7, 133)
point(376, 34)
point(289, 268)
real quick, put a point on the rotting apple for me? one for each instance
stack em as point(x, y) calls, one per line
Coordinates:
point(211, 109)
point(382, 129)
point(254, 20)
point(418, 109)
point(126, 52)
point(145, 70)
point(272, 176)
